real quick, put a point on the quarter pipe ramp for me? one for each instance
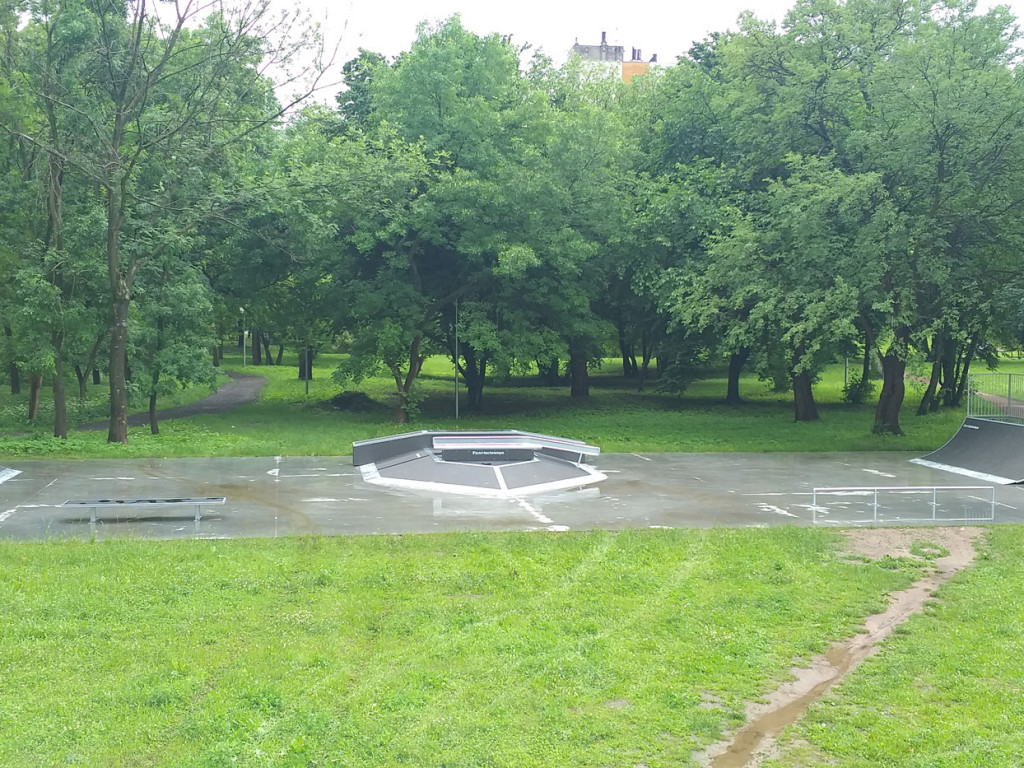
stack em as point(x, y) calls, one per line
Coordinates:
point(990, 451)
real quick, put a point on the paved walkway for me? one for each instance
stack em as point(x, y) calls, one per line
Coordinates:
point(242, 389)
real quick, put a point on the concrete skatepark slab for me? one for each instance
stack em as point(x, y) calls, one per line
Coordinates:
point(309, 495)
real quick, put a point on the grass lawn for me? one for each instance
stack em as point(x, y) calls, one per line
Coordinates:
point(947, 692)
point(287, 421)
point(573, 649)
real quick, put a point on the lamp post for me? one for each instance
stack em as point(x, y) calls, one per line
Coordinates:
point(242, 310)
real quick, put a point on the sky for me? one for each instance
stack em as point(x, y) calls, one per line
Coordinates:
point(667, 28)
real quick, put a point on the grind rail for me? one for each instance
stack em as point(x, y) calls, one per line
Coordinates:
point(137, 504)
point(941, 504)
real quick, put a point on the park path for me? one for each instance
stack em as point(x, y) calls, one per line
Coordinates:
point(242, 389)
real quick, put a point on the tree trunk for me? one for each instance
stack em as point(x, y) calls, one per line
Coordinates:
point(629, 366)
point(405, 405)
point(280, 354)
point(82, 373)
point(579, 377)
point(474, 373)
point(266, 349)
point(35, 385)
point(118, 430)
point(549, 372)
point(948, 376)
point(965, 372)
point(83, 381)
point(60, 406)
point(216, 356)
point(647, 343)
point(925, 407)
point(14, 372)
point(154, 380)
point(120, 292)
point(736, 362)
point(804, 407)
point(257, 347)
point(890, 399)
point(154, 427)
point(865, 368)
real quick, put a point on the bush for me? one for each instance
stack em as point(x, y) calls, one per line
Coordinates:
point(857, 391)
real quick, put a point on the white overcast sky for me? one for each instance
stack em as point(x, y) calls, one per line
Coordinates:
point(667, 28)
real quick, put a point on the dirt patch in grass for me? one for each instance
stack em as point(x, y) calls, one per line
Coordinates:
point(951, 550)
point(876, 543)
point(617, 703)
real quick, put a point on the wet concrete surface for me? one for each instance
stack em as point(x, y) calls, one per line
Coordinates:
point(308, 495)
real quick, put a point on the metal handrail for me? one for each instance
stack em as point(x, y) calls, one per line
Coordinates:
point(874, 489)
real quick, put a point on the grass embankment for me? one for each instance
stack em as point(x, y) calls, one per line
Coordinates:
point(287, 421)
point(947, 692)
point(577, 649)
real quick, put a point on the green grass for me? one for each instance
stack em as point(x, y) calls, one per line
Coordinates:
point(576, 649)
point(287, 421)
point(948, 692)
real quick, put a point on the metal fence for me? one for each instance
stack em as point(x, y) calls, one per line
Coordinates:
point(996, 396)
point(904, 504)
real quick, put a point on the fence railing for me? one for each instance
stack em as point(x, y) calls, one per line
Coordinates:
point(997, 396)
point(906, 504)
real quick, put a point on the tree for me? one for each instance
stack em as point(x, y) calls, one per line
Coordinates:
point(950, 149)
point(169, 346)
point(154, 104)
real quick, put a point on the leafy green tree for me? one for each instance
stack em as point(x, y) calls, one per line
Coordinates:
point(794, 268)
point(951, 151)
point(169, 346)
point(153, 104)
point(354, 103)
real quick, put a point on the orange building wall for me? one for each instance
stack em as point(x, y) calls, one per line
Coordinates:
point(631, 69)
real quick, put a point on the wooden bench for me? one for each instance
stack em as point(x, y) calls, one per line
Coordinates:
point(135, 504)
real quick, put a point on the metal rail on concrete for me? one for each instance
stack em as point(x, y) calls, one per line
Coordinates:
point(135, 504)
point(819, 512)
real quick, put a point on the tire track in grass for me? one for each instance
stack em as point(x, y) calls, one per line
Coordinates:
point(669, 574)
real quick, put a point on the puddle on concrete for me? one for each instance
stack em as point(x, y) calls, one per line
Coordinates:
point(755, 741)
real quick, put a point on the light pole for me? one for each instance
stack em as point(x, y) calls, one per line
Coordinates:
point(242, 310)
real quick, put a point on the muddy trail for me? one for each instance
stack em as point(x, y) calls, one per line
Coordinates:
point(754, 742)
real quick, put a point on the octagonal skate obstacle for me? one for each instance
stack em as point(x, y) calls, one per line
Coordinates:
point(499, 464)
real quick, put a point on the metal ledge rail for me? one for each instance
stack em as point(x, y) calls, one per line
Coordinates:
point(515, 444)
point(135, 504)
point(906, 489)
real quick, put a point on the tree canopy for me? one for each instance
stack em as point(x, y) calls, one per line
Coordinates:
point(846, 183)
